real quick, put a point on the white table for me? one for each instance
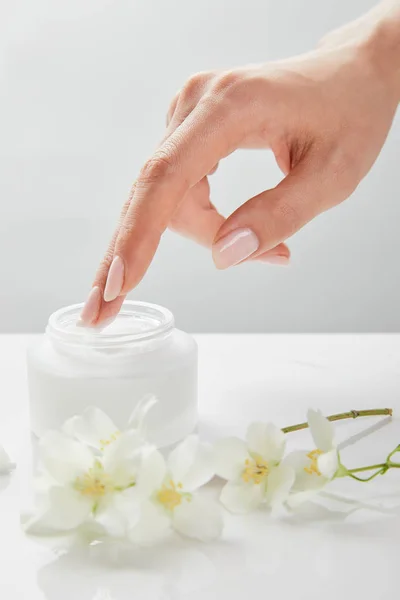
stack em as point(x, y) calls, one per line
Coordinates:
point(321, 553)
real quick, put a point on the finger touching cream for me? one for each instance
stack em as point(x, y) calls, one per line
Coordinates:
point(113, 367)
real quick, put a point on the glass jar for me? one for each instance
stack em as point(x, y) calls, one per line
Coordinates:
point(113, 367)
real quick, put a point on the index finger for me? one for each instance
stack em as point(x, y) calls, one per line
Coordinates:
point(183, 159)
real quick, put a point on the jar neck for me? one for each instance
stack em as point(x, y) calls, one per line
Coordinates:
point(109, 354)
point(138, 328)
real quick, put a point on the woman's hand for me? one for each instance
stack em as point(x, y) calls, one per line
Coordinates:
point(325, 115)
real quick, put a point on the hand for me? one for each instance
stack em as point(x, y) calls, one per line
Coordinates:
point(325, 115)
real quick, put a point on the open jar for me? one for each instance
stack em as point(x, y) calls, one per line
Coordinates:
point(113, 367)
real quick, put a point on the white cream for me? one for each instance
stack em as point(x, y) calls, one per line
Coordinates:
point(113, 367)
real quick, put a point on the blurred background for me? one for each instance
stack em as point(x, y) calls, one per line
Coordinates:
point(85, 86)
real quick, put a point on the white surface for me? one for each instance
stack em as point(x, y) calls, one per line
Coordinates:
point(85, 87)
point(320, 554)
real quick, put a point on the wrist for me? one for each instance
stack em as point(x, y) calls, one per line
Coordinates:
point(380, 46)
point(374, 41)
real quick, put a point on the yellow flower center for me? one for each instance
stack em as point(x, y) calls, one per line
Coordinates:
point(112, 438)
point(256, 469)
point(170, 496)
point(95, 482)
point(313, 467)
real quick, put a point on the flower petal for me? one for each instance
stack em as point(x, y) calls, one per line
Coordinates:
point(242, 498)
point(66, 509)
point(93, 428)
point(191, 463)
point(139, 413)
point(321, 430)
point(279, 483)
point(6, 466)
point(199, 518)
point(297, 459)
point(62, 457)
point(153, 525)
point(111, 520)
point(117, 514)
point(328, 464)
point(304, 480)
point(122, 458)
point(151, 474)
point(267, 440)
point(230, 455)
point(182, 457)
point(202, 469)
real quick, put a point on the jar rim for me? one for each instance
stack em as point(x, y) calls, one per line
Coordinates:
point(136, 322)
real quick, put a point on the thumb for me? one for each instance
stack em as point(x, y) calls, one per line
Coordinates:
point(271, 217)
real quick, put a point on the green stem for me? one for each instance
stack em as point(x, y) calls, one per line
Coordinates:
point(389, 458)
point(352, 414)
point(369, 468)
point(364, 480)
point(380, 469)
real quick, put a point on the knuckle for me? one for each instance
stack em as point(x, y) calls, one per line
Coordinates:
point(194, 85)
point(234, 84)
point(228, 82)
point(158, 167)
point(268, 87)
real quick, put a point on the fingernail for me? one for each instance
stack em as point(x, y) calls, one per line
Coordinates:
point(91, 306)
point(234, 247)
point(276, 259)
point(115, 280)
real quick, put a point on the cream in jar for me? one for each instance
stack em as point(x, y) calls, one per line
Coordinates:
point(140, 352)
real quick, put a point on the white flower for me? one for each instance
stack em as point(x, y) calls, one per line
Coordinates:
point(254, 471)
point(97, 430)
point(6, 466)
point(315, 468)
point(173, 502)
point(77, 485)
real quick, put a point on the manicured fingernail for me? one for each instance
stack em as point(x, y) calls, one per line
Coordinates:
point(276, 259)
point(91, 307)
point(115, 280)
point(234, 247)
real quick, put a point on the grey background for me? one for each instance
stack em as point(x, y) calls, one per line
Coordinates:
point(85, 85)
